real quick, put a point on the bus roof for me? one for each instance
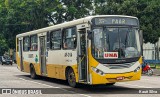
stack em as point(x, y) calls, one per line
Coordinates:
point(68, 24)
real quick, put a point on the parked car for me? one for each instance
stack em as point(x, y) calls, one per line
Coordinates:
point(5, 60)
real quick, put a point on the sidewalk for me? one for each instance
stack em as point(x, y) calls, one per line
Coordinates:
point(156, 72)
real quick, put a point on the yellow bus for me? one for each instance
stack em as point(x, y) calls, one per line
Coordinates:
point(102, 49)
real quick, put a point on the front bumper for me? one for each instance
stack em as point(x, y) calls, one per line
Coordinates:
point(112, 78)
point(7, 62)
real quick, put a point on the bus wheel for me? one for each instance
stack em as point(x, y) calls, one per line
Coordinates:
point(32, 72)
point(71, 78)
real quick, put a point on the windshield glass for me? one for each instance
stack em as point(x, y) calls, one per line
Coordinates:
point(6, 58)
point(114, 43)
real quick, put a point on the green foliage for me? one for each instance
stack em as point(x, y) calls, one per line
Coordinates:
point(150, 21)
point(146, 10)
point(19, 16)
point(72, 9)
point(3, 45)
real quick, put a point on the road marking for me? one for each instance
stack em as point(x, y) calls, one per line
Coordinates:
point(55, 87)
point(134, 85)
point(39, 83)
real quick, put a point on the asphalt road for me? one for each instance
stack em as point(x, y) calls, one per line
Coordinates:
point(12, 78)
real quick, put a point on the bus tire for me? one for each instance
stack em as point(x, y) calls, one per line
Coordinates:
point(71, 78)
point(32, 72)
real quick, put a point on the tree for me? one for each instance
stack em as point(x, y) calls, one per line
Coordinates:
point(3, 45)
point(25, 15)
point(20, 16)
point(146, 10)
point(150, 20)
point(72, 9)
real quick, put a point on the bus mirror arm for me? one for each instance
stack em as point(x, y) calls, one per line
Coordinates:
point(80, 55)
point(89, 34)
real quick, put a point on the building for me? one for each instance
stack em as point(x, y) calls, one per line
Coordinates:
point(151, 51)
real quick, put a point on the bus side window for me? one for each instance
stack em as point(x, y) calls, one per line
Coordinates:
point(55, 40)
point(26, 43)
point(48, 41)
point(69, 38)
point(65, 45)
point(34, 43)
point(17, 45)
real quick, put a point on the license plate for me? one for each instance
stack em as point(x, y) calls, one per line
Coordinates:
point(120, 78)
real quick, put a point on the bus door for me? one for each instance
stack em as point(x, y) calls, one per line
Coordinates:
point(21, 55)
point(42, 40)
point(82, 55)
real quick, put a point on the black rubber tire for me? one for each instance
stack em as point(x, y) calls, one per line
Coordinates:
point(32, 72)
point(150, 72)
point(71, 78)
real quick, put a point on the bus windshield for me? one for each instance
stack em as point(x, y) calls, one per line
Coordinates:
point(115, 43)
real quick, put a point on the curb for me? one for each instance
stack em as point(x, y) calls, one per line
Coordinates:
point(156, 74)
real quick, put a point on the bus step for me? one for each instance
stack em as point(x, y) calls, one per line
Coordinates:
point(82, 80)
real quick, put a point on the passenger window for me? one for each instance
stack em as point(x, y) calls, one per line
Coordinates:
point(69, 38)
point(55, 40)
point(34, 43)
point(26, 43)
point(48, 40)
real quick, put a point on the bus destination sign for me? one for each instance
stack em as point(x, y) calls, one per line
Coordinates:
point(115, 21)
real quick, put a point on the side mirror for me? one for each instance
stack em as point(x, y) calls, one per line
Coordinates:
point(89, 34)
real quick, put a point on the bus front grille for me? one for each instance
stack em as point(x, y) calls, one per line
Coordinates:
point(120, 66)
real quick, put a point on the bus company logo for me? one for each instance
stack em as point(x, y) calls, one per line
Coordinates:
point(6, 91)
point(21, 91)
point(111, 55)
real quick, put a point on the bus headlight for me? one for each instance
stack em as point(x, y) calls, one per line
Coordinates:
point(98, 71)
point(137, 69)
